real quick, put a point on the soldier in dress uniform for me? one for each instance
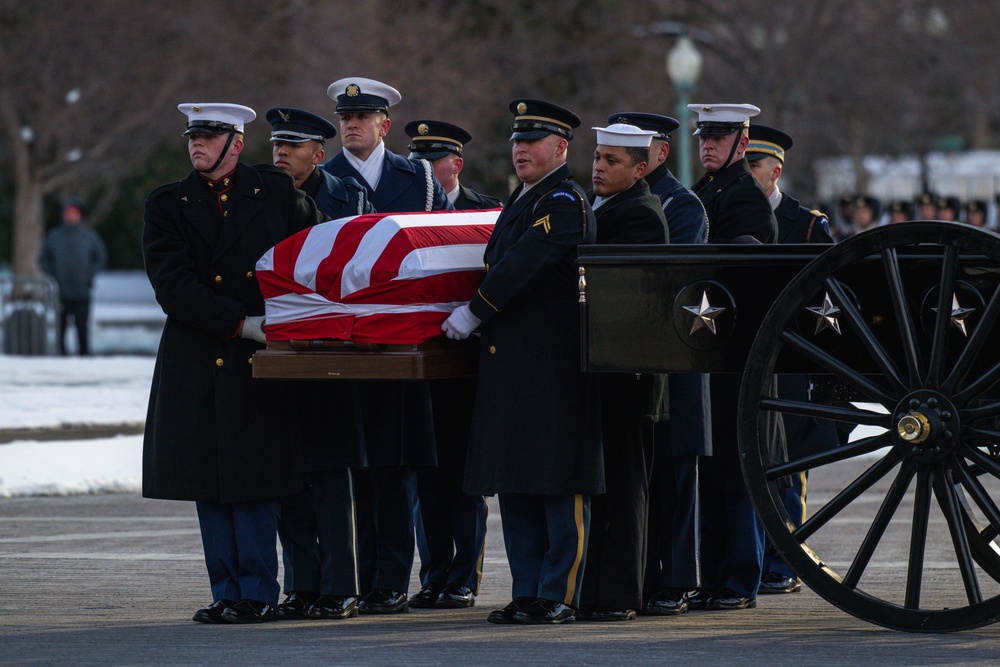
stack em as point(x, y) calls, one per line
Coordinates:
point(626, 212)
point(536, 437)
point(738, 212)
point(213, 435)
point(948, 209)
point(975, 213)
point(398, 418)
point(866, 213)
point(900, 211)
point(926, 206)
point(451, 524)
point(796, 224)
point(673, 535)
point(316, 526)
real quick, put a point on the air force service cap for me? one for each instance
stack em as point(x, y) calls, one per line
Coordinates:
point(533, 119)
point(722, 119)
point(622, 134)
point(359, 95)
point(215, 117)
point(767, 141)
point(661, 125)
point(296, 126)
point(434, 139)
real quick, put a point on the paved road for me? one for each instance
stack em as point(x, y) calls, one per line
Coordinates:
point(113, 580)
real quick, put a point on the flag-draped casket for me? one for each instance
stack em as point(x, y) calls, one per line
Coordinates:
point(378, 278)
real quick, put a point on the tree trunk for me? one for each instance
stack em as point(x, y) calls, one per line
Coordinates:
point(29, 225)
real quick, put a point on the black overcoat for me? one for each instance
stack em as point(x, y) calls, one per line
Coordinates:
point(736, 205)
point(537, 424)
point(797, 224)
point(212, 432)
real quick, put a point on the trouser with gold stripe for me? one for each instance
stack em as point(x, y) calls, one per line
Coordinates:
point(546, 541)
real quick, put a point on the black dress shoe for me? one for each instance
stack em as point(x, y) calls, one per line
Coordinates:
point(667, 603)
point(608, 615)
point(773, 582)
point(546, 612)
point(249, 611)
point(382, 601)
point(296, 605)
point(698, 599)
point(456, 597)
point(213, 612)
point(730, 599)
point(334, 606)
point(427, 597)
point(505, 616)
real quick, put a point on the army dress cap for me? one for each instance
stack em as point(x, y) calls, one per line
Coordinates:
point(296, 126)
point(533, 119)
point(215, 117)
point(661, 125)
point(927, 198)
point(433, 139)
point(767, 141)
point(950, 202)
point(722, 119)
point(359, 95)
point(621, 134)
point(976, 205)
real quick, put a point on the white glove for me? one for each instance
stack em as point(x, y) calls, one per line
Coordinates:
point(460, 323)
point(253, 328)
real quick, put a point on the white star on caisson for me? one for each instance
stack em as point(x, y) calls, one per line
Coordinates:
point(958, 314)
point(826, 315)
point(704, 315)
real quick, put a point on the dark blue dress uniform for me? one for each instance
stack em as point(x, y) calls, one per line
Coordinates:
point(630, 403)
point(673, 536)
point(317, 525)
point(732, 546)
point(213, 435)
point(796, 224)
point(451, 524)
point(536, 438)
point(398, 421)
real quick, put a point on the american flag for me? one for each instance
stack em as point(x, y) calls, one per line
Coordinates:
point(380, 278)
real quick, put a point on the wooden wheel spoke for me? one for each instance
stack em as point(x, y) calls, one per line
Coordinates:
point(979, 386)
point(871, 344)
point(907, 332)
point(849, 415)
point(986, 411)
point(875, 532)
point(850, 493)
point(918, 541)
point(838, 368)
point(980, 496)
point(986, 463)
point(942, 320)
point(982, 434)
point(842, 453)
point(945, 492)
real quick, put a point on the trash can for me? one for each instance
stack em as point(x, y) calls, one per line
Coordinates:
point(28, 311)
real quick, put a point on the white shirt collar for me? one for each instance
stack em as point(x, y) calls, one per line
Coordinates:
point(453, 195)
point(370, 169)
point(775, 198)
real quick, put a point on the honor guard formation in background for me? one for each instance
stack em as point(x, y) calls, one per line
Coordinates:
point(619, 494)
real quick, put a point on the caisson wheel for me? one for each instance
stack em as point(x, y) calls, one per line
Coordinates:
point(900, 325)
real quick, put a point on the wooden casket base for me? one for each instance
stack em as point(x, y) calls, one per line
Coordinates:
point(344, 360)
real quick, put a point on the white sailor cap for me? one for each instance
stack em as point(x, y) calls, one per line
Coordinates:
point(359, 95)
point(720, 119)
point(622, 134)
point(215, 117)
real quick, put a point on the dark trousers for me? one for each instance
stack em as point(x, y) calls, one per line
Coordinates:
point(732, 541)
point(319, 537)
point(451, 524)
point(241, 554)
point(674, 526)
point(384, 505)
point(616, 547)
point(546, 542)
point(79, 310)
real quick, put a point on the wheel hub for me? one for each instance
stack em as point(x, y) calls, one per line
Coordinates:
point(927, 426)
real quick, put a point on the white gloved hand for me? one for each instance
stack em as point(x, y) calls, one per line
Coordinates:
point(460, 323)
point(253, 328)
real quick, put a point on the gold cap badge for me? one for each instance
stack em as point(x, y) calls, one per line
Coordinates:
point(353, 90)
point(522, 108)
point(196, 109)
point(423, 129)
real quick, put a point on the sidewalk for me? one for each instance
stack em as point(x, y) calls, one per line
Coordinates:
point(114, 579)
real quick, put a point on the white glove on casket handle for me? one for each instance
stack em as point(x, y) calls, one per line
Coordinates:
point(253, 328)
point(460, 323)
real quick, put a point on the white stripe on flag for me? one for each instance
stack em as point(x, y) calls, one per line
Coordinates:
point(299, 307)
point(422, 262)
point(318, 245)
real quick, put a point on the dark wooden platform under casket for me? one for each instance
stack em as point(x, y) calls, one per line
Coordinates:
point(332, 360)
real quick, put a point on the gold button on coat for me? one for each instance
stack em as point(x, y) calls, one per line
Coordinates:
point(493, 349)
point(219, 361)
point(249, 274)
point(218, 279)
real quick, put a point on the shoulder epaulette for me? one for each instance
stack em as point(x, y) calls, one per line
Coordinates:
point(818, 213)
